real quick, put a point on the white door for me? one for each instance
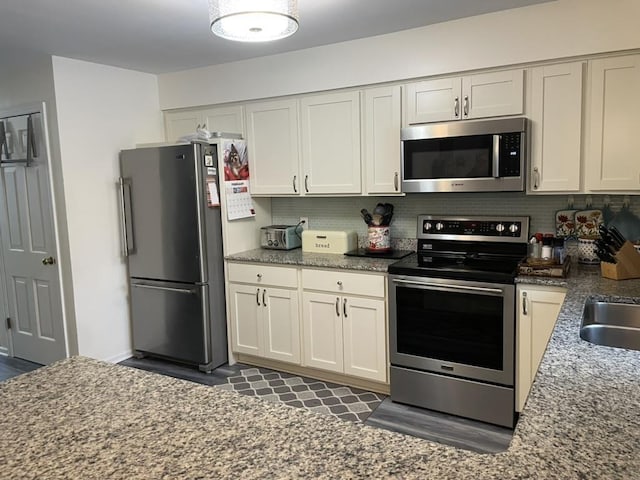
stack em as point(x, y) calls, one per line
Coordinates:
point(281, 324)
point(272, 141)
point(433, 100)
point(556, 127)
point(364, 338)
point(178, 124)
point(30, 270)
point(382, 123)
point(493, 94)
point(245, 317)
point(331, 143)
point(322, 320)
point(613, 143)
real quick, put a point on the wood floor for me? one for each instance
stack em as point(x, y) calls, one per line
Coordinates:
point(12, 367)
point(418, 422)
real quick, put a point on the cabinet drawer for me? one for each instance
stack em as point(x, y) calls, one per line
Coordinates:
point(263, 275)
point(339, 281)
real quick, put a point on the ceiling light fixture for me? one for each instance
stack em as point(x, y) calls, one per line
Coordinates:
point(253, 20)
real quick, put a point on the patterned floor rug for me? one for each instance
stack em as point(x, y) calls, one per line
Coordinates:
point(346, 403)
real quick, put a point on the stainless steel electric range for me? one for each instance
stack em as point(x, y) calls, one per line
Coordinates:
point(452, 317)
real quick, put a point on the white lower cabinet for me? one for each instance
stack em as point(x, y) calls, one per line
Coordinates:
point(344, 319)
point(263, 312)
point(538, 308)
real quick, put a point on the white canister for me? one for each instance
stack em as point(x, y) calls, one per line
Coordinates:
point(587, 251)
point(379, 238)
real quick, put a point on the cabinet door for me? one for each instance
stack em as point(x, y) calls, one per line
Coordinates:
point(433, 100)
point(224, 119)
point(382, 123)
point(272, 131)
point(322, 331)
point(537, 315)
point(177, 124)
point(493, 94)
point(556, 127)
point(246, 328)
point(364, 338)
point(331, 143)
point(613, 143)
point(281, 324)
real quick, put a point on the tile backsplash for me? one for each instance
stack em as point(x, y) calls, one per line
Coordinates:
point(343, 213)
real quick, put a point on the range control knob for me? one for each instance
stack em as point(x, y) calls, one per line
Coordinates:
point(439, 226)
point(500, 227)
point(427, 226)
point(514, 227)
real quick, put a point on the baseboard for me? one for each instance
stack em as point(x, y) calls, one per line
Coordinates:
point(120, 357)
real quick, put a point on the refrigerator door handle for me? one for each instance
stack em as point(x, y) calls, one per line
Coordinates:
point(126, 230)
point(169, 289)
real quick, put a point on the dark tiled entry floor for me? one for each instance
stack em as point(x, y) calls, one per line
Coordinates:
point(346, 403)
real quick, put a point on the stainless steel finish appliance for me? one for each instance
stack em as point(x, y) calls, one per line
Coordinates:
point(281, 237)
point(172, 237)
point(452, 317)
point(465, 156)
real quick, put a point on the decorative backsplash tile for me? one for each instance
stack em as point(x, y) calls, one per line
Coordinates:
point(343, 213)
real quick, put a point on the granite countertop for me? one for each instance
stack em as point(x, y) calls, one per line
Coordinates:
point(299, 258)
point(582, 416)
point(81, 418)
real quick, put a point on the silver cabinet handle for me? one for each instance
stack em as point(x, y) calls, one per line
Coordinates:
point(456, 107)
point(295, 190)
point(344, 307)
point(167, 289)
point(524, 303)
point(395, 181)
point(306, 183)
point(258, 296)
point(264, 300)
point(536, 178)
point(337, 306)
point(465, 108)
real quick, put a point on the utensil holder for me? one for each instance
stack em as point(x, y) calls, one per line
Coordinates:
point(627, 266)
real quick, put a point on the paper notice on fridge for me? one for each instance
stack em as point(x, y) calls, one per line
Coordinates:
point(213, 199)
point(239, 203)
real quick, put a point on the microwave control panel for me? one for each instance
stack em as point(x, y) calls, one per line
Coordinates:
point(510, 152)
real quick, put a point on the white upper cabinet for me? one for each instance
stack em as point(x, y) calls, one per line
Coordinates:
point(219, 119)
point(330, 129)
point(178, 124)
point(272, 131)
point(556, 127)
point(474, 96)
point(612, 158)
point(381, 140)
point(224, 119)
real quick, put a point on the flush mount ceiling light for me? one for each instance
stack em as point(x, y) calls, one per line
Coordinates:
point(253, 20)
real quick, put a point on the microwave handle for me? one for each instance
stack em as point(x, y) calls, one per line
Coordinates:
point(496, 156)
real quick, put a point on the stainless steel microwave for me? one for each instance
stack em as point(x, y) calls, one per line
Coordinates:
point(465, 156)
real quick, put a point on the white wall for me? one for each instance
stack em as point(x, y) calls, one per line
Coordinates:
point(559, 29)
point(101, 110)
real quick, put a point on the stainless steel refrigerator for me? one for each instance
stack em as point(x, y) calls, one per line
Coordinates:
point(172, 239)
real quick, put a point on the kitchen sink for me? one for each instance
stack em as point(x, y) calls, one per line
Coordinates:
point(611, 324)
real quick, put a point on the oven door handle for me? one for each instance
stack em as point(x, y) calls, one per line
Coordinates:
point(444, 286)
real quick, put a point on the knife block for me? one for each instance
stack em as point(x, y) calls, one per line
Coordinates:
point(627, 266)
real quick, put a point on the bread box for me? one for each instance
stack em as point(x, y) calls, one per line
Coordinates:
point(329, 241)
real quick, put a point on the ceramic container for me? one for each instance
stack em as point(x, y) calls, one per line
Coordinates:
point(378, 239)
point(587, 251)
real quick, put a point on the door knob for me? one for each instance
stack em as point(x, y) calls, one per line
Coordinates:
point(48, 261)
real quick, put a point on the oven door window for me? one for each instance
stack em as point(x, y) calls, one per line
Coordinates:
point(456, 327)
point(457, 157)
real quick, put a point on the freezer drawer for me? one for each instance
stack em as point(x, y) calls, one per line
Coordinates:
point(170, 319)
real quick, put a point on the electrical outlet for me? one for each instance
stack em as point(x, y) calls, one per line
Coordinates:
point(305, 225)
